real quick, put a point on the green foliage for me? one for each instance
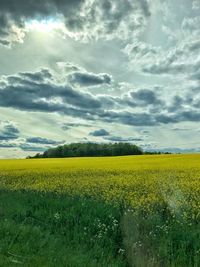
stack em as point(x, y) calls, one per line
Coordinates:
point(47, 229)
point(160, 240)
point(91, 150)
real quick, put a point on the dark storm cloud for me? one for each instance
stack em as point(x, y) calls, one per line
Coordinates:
point(101, 132)
point(8, 132)
point(89, 79)
point(40, 140)
point(88, 19)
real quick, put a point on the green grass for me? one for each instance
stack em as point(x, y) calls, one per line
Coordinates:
point(160, 240)
point(49, 229)
point(46, 229)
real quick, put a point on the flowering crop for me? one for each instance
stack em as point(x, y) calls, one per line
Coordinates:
point(149, 183)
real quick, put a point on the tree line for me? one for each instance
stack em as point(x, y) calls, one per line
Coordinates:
point(90, 150)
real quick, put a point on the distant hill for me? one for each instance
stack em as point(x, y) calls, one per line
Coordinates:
point(91, 150)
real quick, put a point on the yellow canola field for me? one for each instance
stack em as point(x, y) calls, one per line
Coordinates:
point(150, 183)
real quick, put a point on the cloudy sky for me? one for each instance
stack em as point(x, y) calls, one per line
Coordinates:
point(102, 71)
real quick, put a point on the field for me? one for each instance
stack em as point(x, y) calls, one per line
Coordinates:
point(139, 211)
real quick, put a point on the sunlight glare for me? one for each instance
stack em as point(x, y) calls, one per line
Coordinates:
point(43, 25)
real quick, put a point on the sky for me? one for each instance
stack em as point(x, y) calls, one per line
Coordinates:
point(99, 71)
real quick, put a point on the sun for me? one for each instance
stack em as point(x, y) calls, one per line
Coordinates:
point(44, 26)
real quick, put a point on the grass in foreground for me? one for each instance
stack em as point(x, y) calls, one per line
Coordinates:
point(97, 211)
point(46, 229)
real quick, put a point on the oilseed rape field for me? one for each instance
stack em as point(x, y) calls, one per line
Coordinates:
point(106, 211)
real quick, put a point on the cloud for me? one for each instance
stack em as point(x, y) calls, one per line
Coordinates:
point(144, 97)
point(36, 91)
point(144, 131)
point(196, 75)
point(141, 53)
point(195, 5)
point(77, 75)
point(89, 79)
point(174, 54)
point(70, 125)
point(68, 67)
point(190, 115)
point(31, 148)
point(8, 131)
point(8, 145)
point(42, 91)
point(129, 118)
point(180, 59)
point(178, 129)
point(122, 139)
point(169, 65)
point(40, 140)
point(11, 139)
point(23, 146)
point(83, 19)
point(98, 133)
